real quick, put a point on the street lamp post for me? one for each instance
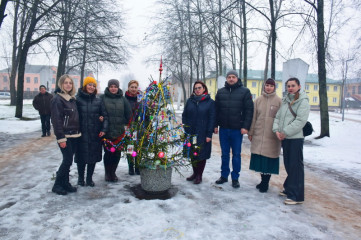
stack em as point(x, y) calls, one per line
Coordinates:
point(343, 90)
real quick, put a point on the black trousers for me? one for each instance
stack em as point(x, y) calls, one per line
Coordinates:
point(68, 155)
point(294, 184)
point(111, 158)
point(45, 123)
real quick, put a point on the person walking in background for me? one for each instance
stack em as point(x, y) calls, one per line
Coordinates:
point(65, 120)
point(132, 96)
point(198, 118)
point(93, 126)
point(288, 124)
point(265, 146)
point(234, 110)
point(42, 103)
point(119, 114)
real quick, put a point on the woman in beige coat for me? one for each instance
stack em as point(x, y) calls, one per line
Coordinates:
point(265, 146)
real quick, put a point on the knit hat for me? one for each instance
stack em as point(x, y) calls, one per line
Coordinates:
point(88, 80)
point(113, 82)
point(270, 81)
point(41, 87)
point(232, 72)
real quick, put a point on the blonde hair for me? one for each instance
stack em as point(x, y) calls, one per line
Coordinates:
point(133, 81)
point(61, 83)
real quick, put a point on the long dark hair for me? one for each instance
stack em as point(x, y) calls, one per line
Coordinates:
point(203, 85)
point(297, 95)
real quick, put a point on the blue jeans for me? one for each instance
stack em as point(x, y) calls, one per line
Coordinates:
point(231, 138)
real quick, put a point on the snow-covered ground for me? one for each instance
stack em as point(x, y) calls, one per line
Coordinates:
point(29, 210)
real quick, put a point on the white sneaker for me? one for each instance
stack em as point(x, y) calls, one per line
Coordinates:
point(283, 193)
point(292, 202)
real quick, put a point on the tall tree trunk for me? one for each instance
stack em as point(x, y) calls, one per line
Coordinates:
point(2, 10)
point(245, 70)
point(82, 67)
point(321, 56)
point(265, 73)
point(220, 37)
point(22, 61)
point(273, 37)
point(15, 52)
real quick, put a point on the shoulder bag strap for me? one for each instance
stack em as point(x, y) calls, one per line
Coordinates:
point(293, 113)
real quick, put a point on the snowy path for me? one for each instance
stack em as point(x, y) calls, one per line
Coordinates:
point(29, 210)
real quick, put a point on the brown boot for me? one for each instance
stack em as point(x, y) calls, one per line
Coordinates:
point(107, 176)
point(199, 171)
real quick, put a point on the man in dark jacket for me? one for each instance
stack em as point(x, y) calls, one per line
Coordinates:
point(234, 111)
point(41, 103)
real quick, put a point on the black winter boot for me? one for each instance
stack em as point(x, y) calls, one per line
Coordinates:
point(81, 169)
point(200, 169)
point(193, 176)
point(264, 187)
point(66, 184)
point(261, 183)
point(58, 188)
point(89, 175)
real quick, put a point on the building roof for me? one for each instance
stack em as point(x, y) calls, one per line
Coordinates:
point(258, 75)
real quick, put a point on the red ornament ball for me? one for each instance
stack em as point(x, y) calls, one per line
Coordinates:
point(189, 144)
point(195, 153)
point(112, 149)
point(161, 154)
point(134, 154)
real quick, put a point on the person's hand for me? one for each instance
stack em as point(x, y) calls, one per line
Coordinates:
point(62, 144)
point(280, 136)
point(208, 139)
point(216, 130)
point(101, 118)
point(244, 131)
point(250, 137)
point(101, 134)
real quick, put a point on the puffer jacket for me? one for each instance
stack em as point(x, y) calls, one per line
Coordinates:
point(64, 116)
point(42, 103)
point(90, 109)
point(199, 119)
point(234, 106)
point(286, 123)
point(119, 112)
point(264, 140)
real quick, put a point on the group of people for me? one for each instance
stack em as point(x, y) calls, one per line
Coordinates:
point(81, 120)
point(268, 122)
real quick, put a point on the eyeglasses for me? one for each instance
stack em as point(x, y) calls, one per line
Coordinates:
point(198, 88)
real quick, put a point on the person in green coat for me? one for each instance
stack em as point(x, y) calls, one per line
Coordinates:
point(289, 130)
point(119, 114)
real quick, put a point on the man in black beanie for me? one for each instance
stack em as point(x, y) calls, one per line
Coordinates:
point(234, 111)
point(41, 103)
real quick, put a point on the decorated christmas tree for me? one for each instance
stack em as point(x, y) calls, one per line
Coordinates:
point(155, 139)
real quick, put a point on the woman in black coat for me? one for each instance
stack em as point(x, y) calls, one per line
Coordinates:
point(199, 119)
point(93, 126)
point(132, 96)
point(65, 120)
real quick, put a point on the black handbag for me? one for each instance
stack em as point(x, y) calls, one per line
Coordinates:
point(307, 129)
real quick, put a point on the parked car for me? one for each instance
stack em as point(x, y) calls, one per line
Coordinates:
point(4, 95)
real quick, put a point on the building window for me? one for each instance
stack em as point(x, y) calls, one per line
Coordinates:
point(315, 87)
point(328, 88)
point(28, 89)
point(276, 85)
point(307, 87)
point(353, 89)
point(53, 80)
point(335, 88)
point(27, 79)
point(253, 96)
point(359, 89)
point(334, 100)
point(5, 88)
point(315, 99)
point(5, 78)
point(35, 89)
point(254, 84)
point(36, 80)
